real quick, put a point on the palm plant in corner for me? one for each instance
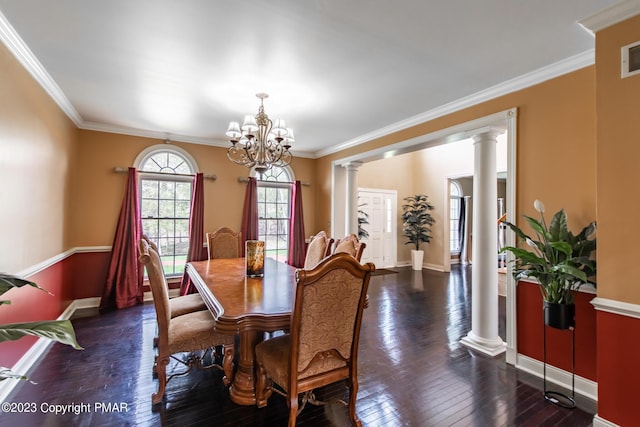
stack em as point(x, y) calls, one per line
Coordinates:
point(56, 330)
point(416, 223)
point(558, 260)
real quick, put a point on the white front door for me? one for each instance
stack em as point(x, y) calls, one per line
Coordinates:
point(379, 208)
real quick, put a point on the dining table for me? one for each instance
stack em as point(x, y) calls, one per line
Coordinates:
point(247, 306)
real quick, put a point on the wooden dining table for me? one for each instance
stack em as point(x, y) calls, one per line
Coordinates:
point(245, 306)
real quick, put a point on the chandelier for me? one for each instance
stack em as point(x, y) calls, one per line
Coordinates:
point(260, 143)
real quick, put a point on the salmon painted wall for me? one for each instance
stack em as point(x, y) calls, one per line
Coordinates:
point(618, 150)
point(37, 143)
point(98, 191)
point(555, 149)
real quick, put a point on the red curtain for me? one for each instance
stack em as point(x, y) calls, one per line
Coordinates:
point(297, 245)
point(123, 287)
point(196, 232)
point(250, 212)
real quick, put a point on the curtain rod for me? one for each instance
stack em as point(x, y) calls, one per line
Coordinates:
point(212, 177)
point(245, 180)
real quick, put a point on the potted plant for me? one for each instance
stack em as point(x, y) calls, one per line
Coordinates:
point(56, 330)
point(416, 223)
point(363, 219)
point(558, 260)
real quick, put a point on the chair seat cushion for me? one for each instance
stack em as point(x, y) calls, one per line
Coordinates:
point(195, 331)
point(186, 304)
point(275, 355)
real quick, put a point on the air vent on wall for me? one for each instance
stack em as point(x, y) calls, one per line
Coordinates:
point(631, 59)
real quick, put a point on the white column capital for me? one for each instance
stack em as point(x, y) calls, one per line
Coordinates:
point(486, 134)
point(352, 166)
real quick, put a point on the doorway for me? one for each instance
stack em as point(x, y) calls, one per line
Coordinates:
point(379, 209)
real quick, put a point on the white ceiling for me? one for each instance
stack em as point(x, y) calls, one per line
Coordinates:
point(338, 71)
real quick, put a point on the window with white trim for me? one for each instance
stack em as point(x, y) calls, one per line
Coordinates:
point(274, 200)
point(166, 180)
point(455, 194)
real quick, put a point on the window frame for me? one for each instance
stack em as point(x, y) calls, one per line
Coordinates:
point(264, 185)
point(175, 269)
point(455, 195)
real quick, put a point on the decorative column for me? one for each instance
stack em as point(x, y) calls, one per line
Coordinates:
point(484, 309)
point(351, 214)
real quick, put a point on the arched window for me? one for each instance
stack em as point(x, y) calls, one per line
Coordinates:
point(455, 194)
point(274, 199)
point(166, 179)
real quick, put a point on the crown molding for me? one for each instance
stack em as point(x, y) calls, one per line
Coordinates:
point(613, 14)
point(23, 54)
point(540, 75)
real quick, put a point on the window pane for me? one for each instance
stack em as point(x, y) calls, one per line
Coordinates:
point(183, 208)
point(149, 189)
point(166, 208)
point(271, 194)
point(182, 228)
point(149, 208)
point(167, 189)
point(183, 191)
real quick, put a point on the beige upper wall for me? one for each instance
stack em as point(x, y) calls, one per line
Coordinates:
point(37, 143)
point(618, 151)
point(97, 191)
point(556, 160)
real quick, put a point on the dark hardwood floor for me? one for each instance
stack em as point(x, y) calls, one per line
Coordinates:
point(412, 372)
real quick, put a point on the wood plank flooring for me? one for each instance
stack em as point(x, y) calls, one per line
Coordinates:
point(412, 372)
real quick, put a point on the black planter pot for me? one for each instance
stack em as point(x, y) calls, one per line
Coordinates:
point(559, 316)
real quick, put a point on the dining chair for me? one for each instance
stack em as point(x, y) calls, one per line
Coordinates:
point(191, 332)
point(351, 245)
point(224, 243)
point(322, 347)
point(319, 248)
point(182, 304)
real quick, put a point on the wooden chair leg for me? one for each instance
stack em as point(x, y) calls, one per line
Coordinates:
point(353, 392)
point(161, 369)
point(293, 410)
point(227, 363)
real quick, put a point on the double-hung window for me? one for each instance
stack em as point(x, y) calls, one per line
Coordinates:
point(274, 199)
point(166, 180)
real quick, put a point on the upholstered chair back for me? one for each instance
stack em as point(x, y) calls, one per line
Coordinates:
point(350, 245)
point(326, 315)
point(224, 243)
point(319, 248)
point(158, 283)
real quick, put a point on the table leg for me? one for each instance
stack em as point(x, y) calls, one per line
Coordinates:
point(243, 389)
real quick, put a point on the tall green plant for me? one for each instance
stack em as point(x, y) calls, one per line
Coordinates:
point(560, 261)
point(56, 330)
point(416, 220)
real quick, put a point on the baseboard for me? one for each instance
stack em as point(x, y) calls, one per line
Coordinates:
point(601, 422)
point(435, 267)
point(560, 377)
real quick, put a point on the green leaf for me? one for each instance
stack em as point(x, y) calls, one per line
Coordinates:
point(537, 226)
point(563, 247)
point(9, 281)
point(558, 227)
point(56, 330)
point(6, 373)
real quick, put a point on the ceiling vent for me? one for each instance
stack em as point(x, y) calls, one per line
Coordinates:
point(631, 59)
